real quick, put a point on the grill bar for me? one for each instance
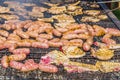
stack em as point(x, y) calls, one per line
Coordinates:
point(110, 14)
point(12, 74)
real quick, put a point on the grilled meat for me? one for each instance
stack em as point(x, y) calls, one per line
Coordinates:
point(103, 53)
point(89, 19)
point(73, 67)
point(73, 51)
point(92, 12)
point(48, 68)
point(57, 10)
point(5, 61)
point(106, 66)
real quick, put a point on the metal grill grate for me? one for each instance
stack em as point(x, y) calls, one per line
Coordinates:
point(12, 74)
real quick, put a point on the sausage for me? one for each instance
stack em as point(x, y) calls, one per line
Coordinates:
point(46, 36)
point(55, 40)
point(56, 33)
point(41, 40)
point(2, 39)
point(109, 41)
point(83, 36)
point(55, 44)
point(26, 26)
point(48, 68)
point(32, 34)
point(73, 26)
point(91, 30)
point(12, 47)
point(40, 45)
point(76, 42)
point(21, 24)
point(17, 57)
point(113, 31)
point(29, 65)
point(64, 42)
point(41, 30)
point(86, 46)
point(62, 30)
point(70, 36)
point(33, 27)
point(99, 31)
point(90, 40)
point(99, 44)
point(6, 26)
point(13, 37)
point(48, 30)
point(106, 39)
point(25, 42)
point(16, 65)
point(22, 34)
point(4, 33)
point(21, 51)
point(69, 32)
point(77, 31)
point(2, 46)
point(10, 44)
point(4, 61)
point(29, 61)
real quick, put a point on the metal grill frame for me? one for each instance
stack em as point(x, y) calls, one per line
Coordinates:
point(12, 74)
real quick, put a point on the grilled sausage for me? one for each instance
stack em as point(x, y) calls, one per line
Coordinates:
point(21, 51)
point(40, 45)
point(16, 65)
point(17, 57)
point(29, 65)
point(46, 36)
point(70, 36)
point(48, 68)
point(86, 46)
point(22, 34)
point(4, 61)
point(90, 40)
point(56, 33)
point(4, 33)
point(55, 44)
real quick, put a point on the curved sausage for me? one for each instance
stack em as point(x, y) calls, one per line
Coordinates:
point(90, 40)
point(22, 34)
point(83, 36)
point(56, 33)
point(17, 57)
point(48, 68)
point(70, 36)
point(46, 36)
point(55, 44)
point(29, 65)
point(33, 34)
point(86, 46)
point(40, 45)
point(4, 61)
point(4, 33)
point(16, 65)
point(21, 51)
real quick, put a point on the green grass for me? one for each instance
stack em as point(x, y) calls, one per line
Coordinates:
point(117, 13)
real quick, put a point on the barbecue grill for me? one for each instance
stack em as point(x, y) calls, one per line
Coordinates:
point(12, 74)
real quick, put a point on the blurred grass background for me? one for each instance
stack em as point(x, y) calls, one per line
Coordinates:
point(117, 13)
